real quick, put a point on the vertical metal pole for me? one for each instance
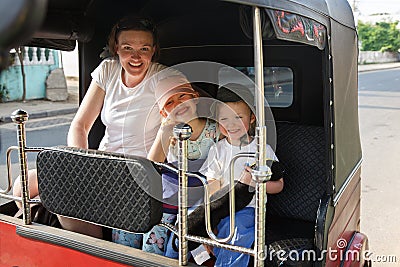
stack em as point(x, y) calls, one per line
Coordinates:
point(20, 117)
point(182, 132)
point(261, 139)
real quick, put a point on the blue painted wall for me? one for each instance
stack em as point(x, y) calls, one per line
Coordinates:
point(35, 75)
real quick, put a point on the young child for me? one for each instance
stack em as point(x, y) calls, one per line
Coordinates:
point(177, 101)
point(236, 120)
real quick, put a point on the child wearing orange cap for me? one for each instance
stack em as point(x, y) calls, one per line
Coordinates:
point(177, 102)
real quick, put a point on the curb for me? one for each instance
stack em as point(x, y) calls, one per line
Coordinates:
point(42, 114)
point(379, 68)
point(388, 68)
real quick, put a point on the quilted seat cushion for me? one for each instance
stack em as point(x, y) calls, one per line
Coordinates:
point(291, 214)
point(302, 150)
point(104, 188)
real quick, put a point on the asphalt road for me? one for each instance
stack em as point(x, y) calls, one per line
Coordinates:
point(379, 113)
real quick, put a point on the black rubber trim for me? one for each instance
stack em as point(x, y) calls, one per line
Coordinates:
point(90, 249)
point(320, 226)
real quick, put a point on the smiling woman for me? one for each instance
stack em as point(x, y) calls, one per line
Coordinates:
point(135, 50)
point(122, 87)
point(134, 41)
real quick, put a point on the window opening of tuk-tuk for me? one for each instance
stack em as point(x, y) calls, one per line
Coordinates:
point(278, 83)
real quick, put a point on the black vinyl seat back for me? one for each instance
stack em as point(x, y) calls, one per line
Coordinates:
point(302, 150)
point(107, 189)
point(292, 214)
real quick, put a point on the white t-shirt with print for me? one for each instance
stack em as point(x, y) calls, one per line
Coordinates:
point(220, 155)
point(131, 115)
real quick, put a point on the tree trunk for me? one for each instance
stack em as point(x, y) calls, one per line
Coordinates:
point(20, 50)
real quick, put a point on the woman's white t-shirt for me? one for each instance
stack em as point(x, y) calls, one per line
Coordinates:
point(131, 115)
point(220, 155)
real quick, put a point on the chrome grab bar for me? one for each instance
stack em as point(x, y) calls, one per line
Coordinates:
point(183, 132)
point(203, 240)
point(8, 157)
point(4, 192)
point(262, 174)
point(261, 137)
point(231, 184)
point(210, 242)
point(20, 117)
point(183, 235)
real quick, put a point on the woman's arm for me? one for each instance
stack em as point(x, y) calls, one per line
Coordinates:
point(86, 115)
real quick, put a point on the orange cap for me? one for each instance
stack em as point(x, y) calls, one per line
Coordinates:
point(170, 86)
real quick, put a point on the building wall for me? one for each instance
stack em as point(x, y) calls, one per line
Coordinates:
point(38, 63)
point(368, 57)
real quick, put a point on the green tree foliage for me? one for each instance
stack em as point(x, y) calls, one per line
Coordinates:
point(383, 36)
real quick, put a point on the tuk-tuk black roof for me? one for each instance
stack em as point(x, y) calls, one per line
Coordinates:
point(68, 20)
point(338, 10)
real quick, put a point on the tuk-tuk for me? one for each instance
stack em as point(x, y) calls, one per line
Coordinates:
point(302, 57)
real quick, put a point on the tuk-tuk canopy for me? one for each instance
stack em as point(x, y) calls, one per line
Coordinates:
point(338, 10)
point(66, 21)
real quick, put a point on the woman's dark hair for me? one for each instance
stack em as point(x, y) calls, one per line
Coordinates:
point(133, 23)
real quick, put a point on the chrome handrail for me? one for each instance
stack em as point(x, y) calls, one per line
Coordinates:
point(231, 184)
point(210, 242)
point(261, 174)
point(4, 192)
point(20, 117)
point(261, 139)
point(183, 132)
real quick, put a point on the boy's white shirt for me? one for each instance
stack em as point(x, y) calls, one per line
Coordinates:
point(220, 155)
